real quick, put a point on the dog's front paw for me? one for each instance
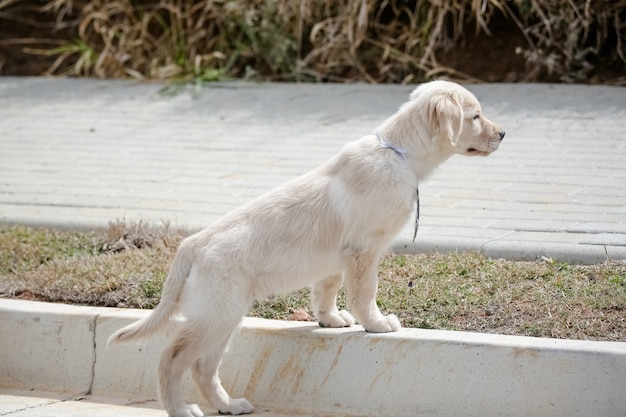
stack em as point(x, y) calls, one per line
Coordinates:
point(238, 406)
point(339, 319)
point(385, 324)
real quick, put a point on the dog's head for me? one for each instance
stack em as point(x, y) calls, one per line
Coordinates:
point(455, 117)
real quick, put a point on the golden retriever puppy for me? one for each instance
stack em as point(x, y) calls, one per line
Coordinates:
point(326, 228)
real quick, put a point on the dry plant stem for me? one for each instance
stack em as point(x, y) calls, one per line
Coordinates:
point(326, 40)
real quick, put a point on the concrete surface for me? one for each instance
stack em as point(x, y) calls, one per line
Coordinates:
point(81, 152)
point(20, 403)
point(295, 368)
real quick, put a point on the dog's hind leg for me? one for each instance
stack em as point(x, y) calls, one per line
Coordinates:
point(324, 301)
point(205, 375)
point(175, 359)
point(361, 287)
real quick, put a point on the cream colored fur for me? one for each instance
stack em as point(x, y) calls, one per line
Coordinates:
point(326, 228)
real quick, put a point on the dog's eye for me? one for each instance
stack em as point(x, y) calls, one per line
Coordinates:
point(477, 117)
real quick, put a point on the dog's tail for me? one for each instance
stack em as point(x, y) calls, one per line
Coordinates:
point(165, 310)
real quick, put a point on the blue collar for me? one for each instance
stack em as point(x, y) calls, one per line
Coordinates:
point(384, 144)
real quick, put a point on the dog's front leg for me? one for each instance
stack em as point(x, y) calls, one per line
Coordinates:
point(362, 285)
point(324, 301)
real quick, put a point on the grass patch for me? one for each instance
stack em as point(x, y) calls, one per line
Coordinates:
point(125, 265)
point(23, 249)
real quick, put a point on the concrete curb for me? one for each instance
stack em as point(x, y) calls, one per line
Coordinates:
point(302, 368)
point(512, 250)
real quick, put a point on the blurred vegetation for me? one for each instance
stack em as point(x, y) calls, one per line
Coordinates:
point(376, 41)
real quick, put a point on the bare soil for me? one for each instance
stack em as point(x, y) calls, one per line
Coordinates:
point(498, 57)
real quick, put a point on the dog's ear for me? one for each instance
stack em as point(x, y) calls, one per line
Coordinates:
point(446, 116)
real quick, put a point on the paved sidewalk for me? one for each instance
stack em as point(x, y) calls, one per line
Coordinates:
point(79, 153)
point(17, 403)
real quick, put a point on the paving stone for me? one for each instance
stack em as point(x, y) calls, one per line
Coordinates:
point(81, 152)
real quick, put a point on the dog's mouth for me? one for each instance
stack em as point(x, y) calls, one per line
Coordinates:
point(476, 152)
point(485, 149)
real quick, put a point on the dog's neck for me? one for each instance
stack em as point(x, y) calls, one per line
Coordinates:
point(384, 144)
point(423, 151)
point(402, 153)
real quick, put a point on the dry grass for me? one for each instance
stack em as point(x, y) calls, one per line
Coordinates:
point(471, 292)
point(125, 266)
point(330, 40)
point(122, 266)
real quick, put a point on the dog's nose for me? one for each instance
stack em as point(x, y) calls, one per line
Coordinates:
point(502, 133)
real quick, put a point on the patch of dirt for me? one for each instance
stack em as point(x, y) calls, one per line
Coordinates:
point(29, 296)
point(499, 57)
point(489, 58)
point(300, 315)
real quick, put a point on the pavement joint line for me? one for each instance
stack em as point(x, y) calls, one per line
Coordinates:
point(94, 360)
point(35, 406)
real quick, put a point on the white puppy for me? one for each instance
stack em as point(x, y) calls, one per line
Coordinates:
point(324, 228)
